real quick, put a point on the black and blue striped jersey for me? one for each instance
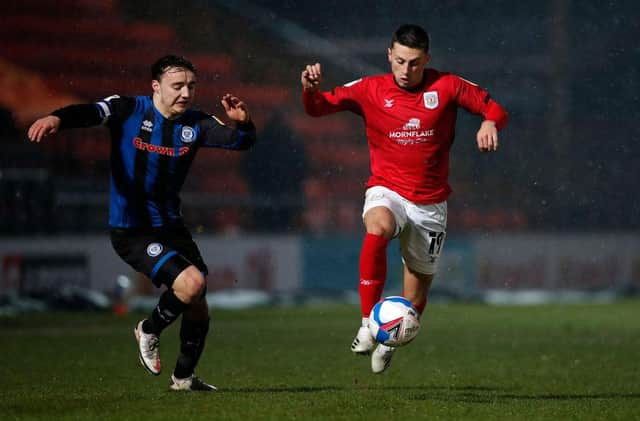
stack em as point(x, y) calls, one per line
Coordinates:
point(151, 155)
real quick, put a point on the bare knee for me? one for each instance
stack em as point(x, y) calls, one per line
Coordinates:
point(189, 285)
point(382, 230)
point(380, 221)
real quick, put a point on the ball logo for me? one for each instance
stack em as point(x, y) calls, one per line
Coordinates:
point(393, 328)
point(154, 249)
point(187, 134)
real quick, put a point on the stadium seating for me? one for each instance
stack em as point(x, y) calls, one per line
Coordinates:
point(85, 50)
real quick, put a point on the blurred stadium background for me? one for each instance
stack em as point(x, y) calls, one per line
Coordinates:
point(555, 214)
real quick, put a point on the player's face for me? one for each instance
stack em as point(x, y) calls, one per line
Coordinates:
point(174, 92)
point(407, 65)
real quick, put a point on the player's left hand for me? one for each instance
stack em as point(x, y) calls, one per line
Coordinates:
point(236, 110)
point(487, 136)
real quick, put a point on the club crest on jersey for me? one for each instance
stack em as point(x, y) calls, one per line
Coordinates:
point(187, 134)
point(430, 100)
point(154, 249)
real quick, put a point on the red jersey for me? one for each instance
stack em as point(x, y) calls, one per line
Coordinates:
point(409, 132)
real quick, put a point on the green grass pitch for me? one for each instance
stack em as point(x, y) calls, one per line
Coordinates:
point(470, 361)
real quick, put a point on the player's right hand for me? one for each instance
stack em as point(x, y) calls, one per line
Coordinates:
point(311, 77)
point(43, 127)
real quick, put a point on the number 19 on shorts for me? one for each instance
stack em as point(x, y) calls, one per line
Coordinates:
point(436, 239)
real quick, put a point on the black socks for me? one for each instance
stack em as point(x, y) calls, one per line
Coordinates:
point(192, 338)
point(169, 308)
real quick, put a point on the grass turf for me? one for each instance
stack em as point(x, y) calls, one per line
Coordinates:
point(469, 362)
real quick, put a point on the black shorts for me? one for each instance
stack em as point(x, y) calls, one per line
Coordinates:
point(160, 253)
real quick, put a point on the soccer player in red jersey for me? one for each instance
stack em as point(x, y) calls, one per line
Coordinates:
point(410, 117)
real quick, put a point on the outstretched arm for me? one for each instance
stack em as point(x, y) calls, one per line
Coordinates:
point(495, 118)
point(478, 101)
point(71, 116)
point(218, 135)
point(310, 79)
point(317, 103)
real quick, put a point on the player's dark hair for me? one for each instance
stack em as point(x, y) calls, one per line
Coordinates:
point(412, 36)
point(166, 62)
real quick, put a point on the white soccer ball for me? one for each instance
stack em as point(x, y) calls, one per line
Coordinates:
point(394, 321)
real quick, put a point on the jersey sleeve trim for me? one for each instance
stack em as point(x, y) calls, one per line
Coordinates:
point(105, 111)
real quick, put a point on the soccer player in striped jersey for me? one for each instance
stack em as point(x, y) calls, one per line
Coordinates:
point(410, 116)
point(154, 140)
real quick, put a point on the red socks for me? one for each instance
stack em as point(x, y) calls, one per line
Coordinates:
point(373, 271)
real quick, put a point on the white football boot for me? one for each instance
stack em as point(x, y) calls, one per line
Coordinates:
point(148, 350)
point(192, 383)
point(381, 358)
point(363, 343)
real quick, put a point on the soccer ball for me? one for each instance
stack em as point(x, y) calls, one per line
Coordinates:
point(394, 321)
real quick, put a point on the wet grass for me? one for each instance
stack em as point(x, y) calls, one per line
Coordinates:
point(469, 362)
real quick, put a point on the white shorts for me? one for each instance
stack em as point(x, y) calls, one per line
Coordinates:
point(420, 228)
